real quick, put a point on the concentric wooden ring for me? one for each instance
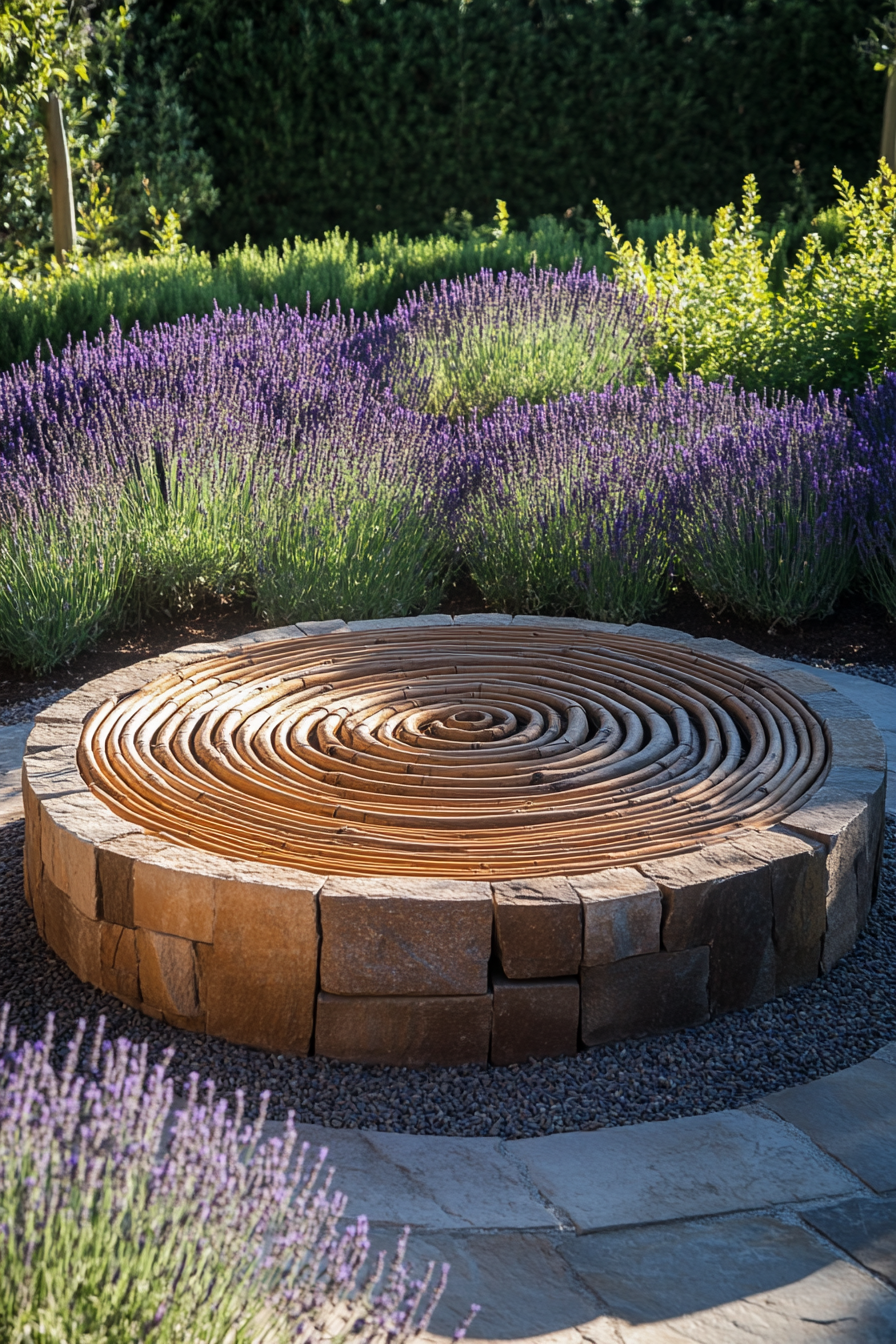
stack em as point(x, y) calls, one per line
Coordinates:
point(456, 751)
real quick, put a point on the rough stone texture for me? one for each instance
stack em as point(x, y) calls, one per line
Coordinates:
point(721, 898)
point(399, 623)
point(754, 1277)
point(259, 979)
point(622, 911)
point(406, 936)
point(409, 1032)
point(569, 623)
point(484, 618)
point(538, 921)
point(118, 960)
point(852, 1116)
point(168, 977)
point(688, 1168)
point(534, 1019)
point(796, 869)
point(159, 886)
point(846, 816)
point(642, 996)
point(72, 936)
point(664, 634)
point(856, 743)
point(865, 1228)
point(71, 828)
point(54, 773)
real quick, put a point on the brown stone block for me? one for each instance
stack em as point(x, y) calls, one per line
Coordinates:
point(71, 828)
point(856, 743)
point(118, 960)
point(407, 936)
point(46, 737)
point(53, 773)
point(160, 886)
point(644, 996)
point(846, 816)
point(538, 921)
point(534, 1018)
point(72, 936)
point(797, 872)
point(622, 910)
point(721, 897)
point(408, 1032)
point(168, 977)
point(259, 979)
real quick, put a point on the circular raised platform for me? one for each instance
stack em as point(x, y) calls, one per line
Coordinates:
point(437, 840)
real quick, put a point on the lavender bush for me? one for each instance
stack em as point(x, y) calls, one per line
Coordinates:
point(199, 452)
point(875, 416)
point(469, 344)
point(773, 497)
point(123, 1220)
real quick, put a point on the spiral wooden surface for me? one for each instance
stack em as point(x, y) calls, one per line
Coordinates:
point(457, 752)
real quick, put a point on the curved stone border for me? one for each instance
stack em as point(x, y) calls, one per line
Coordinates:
point(398, 971)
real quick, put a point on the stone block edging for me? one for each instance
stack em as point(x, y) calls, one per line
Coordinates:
point(634, 950)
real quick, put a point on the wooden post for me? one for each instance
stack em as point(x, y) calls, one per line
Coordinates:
point(888, 135)
point(62, 194)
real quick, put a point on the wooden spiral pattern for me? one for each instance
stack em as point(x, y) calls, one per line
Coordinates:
point(462, 752)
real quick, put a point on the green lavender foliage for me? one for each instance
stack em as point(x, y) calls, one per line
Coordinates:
point(358, 552)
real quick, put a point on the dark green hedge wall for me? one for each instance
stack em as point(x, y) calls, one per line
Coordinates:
point(381, 114)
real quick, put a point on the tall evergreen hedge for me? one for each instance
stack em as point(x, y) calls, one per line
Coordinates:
point(378, 114)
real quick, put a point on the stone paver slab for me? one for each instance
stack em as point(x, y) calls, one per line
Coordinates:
point(865, 1227)
point(852, 1116)
point(732, 1280)
point(426, 1182)
point(704, 1164)
point(887, 1053)
point(524, 1287)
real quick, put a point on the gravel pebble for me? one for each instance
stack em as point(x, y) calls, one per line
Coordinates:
point(23, 710)
point(884, 673)
point(835, 1022)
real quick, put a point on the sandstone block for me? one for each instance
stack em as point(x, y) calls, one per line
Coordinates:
point(560, 623)
point(400, 623)
point(846, 816)
point(643, 996)
point(155, 885)
point(534, 1018)
point(168, 977)
point(118, 962)
point(405, 936)
point(50, 737)
point(721, 897)
point(404, 1031)
point(484, 618)
point(798, 879)
point(54, 773)
point(664, 633)
point(72, 936)
point(538, 922)
point(622, 910)
point(856, 743)
point(259, 979)
point(71, 829)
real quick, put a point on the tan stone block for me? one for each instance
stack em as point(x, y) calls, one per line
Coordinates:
point(538, 922)
point(856, 743)
point(71, 828)
point(561, 623)
point(259, 979)
point(798, 879)
point(534, 1019)
point(484, 618)
point(118, 960)
point(72, 709)
point(168, 977)
point(33, 864)
point(399, 623)
point(53, 773)
point(167, 888)
point(622, 910)
point(846, 816)
point(664, 633)
point(72, 936)
point(405, 936)
point(643, 996)
point(720, 897)
point(407, 1032)
point(51, 736)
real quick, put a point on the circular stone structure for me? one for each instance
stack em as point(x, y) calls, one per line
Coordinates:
point(441, 840)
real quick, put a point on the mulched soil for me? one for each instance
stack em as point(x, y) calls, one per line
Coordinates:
point(858, 632)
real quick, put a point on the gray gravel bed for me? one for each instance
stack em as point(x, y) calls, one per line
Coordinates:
point(23, 710)
point(885, 673)
point(838, 1021)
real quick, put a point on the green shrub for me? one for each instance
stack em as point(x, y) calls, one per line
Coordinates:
point(829, 323)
